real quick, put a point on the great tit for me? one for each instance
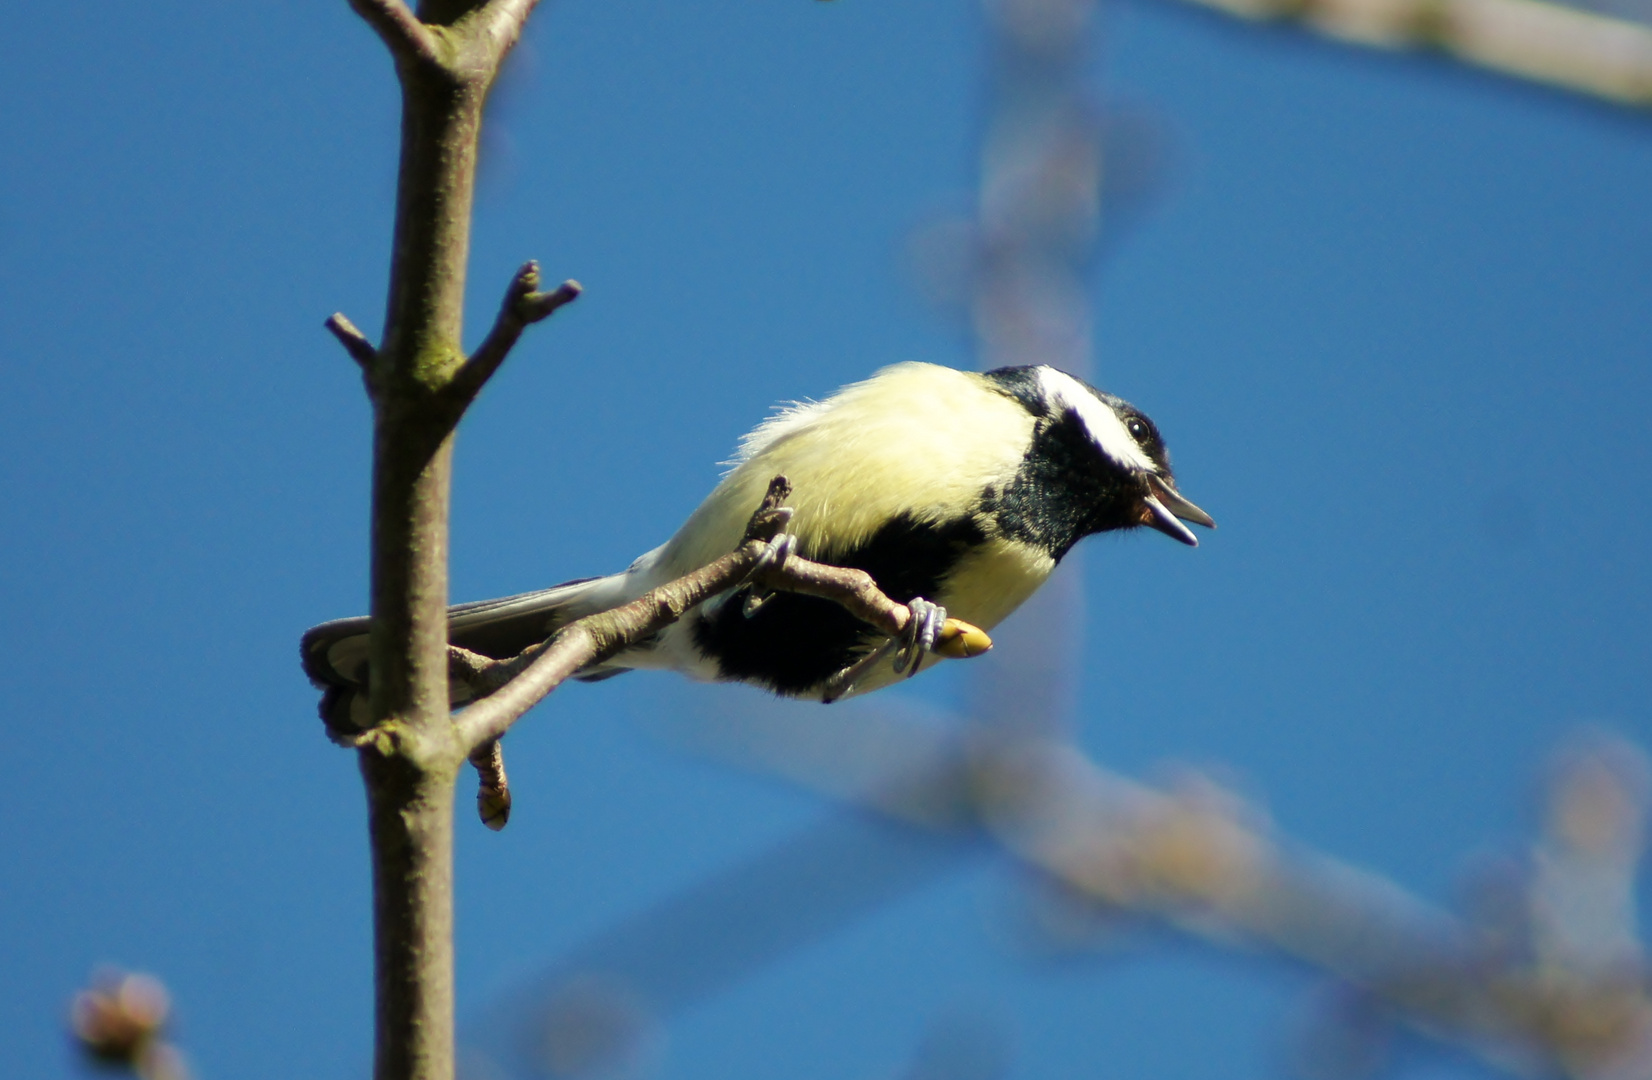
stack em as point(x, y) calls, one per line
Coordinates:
point(959, 488)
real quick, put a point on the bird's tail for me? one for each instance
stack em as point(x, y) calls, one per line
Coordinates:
point(335, 653)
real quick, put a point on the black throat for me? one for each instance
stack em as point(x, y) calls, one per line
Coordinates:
point(1065, 489)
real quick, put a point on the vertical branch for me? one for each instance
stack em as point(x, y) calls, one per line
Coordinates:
point(446, 56)
point(410, 777)
point(410, 822)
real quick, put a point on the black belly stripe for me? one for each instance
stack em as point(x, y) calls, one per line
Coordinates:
point(794, 643)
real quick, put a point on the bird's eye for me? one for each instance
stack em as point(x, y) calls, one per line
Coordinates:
point(1136, 428)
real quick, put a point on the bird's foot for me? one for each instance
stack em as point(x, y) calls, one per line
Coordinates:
point(918, 639)
point(920, 636)
point(776, 553)
point(775, 556)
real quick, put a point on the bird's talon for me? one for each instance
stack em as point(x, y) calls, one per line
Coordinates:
point(776, 553)
point(923, 627)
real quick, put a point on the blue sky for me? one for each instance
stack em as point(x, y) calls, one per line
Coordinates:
point(1391, 316)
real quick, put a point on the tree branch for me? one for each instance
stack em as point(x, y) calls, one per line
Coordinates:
point(447, 56)
point(510, 687)
point(523, 305)
point(402, 33)
point(1562, 46)
point(518, 684)
point(500, 22)
point(1535, 986)
point(536, 672)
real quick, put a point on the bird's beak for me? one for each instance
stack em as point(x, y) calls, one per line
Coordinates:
point(1164, 509)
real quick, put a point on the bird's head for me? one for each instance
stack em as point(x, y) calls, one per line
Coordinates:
point(1101, 453)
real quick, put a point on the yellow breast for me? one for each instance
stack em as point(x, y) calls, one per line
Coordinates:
point(993, 580)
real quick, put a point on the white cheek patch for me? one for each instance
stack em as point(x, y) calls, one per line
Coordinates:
point(1108, 431)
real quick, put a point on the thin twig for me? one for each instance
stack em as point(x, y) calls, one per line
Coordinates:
point(510, 687)
point(464, 666)
point(588, 641)
point(354, 341)
point(853, 590)
point(522, 306)
point(525, 679)
point(403, 34)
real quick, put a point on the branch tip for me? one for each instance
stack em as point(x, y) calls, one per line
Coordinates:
point(768, 518)
point(526, 281)
point(354, 341)
point(780, 489)
point(531, 307)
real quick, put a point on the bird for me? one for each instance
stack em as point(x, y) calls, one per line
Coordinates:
point(957, 491)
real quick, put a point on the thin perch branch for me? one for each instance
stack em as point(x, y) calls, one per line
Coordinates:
point(525, 679)
point(541, 669)
point(523, 305)
point(853, 590)
point(509, 688)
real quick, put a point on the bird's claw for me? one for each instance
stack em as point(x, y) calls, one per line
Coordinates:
point(774, 555)
point(918, 639)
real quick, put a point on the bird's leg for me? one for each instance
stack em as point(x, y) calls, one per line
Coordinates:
point(775, 555)
point(922, 628)
point(844, 681)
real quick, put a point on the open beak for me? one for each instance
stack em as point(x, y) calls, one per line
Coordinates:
point(1165, 510)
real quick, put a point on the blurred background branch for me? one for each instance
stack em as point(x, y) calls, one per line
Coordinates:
point(1542, 972)
point(1545, 974)
point(1558, 45)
